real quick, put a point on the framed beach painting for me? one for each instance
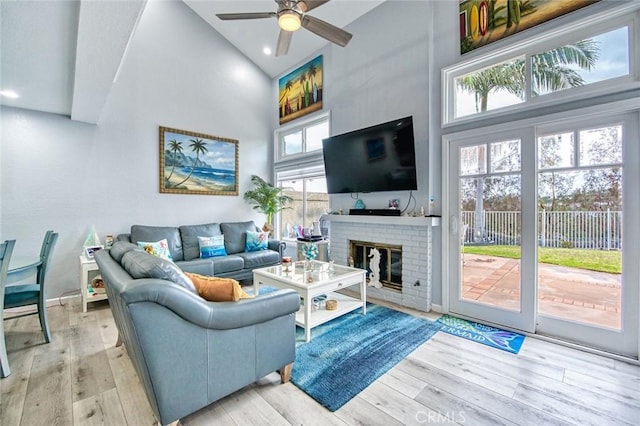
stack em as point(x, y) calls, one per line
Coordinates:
point(195, 163)
point(300, 91)
point(485, 21)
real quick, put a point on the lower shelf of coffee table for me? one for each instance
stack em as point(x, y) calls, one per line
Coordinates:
point(345, 304)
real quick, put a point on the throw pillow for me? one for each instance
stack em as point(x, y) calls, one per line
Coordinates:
point(159, 249)
point(189, 235)
point(257, 241)
point(212, 246)
point(140, 264)
point(216, 289)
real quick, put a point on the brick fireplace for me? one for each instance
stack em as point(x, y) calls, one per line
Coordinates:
point(411, 235)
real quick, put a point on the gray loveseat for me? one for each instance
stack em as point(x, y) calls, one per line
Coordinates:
point(186, 351)
point(185, 249)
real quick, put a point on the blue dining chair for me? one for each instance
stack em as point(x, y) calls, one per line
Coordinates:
point(33, 293)
point(6, 249)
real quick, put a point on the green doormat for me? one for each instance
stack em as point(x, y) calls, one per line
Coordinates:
point(490, 336)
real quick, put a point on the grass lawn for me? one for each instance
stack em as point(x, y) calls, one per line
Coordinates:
point(593, 260)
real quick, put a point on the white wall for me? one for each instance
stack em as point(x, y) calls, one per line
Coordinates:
point(384, 74)
point(63, 175)
point(380, 76)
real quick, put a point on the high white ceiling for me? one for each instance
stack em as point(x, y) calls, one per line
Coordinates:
point(251, 36)
point(63, 56)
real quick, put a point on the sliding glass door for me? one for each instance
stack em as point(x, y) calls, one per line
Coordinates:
point(488, 230)
point(587, 269)
point(541, 230)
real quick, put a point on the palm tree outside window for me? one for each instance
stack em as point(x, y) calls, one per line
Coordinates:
point(571, 65)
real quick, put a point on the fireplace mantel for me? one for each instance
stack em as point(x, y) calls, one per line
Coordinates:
point(383, 220)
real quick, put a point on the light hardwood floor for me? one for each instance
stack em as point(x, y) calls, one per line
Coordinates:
point(82, 379)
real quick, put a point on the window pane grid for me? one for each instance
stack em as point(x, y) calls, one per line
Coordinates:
point(302, 176)
point(602, 58)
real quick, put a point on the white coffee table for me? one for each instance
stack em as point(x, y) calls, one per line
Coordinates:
point(325, 279)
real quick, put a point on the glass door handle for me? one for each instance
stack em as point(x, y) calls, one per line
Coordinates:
point(453, 225)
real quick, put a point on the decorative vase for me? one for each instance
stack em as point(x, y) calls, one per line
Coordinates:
point(310, 251)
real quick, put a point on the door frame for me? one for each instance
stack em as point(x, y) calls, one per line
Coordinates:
point(627, 106)
point(564, 328)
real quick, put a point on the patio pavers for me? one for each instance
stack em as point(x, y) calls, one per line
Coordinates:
point(569, 293)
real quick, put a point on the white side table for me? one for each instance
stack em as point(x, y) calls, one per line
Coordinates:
point(87, 267)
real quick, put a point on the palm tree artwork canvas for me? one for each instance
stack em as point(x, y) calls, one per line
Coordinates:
point(300, 91)
point(195, 163)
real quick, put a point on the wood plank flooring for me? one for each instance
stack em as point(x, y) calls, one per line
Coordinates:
point(81, 378)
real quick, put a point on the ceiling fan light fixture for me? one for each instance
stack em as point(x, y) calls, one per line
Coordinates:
point(289, 20)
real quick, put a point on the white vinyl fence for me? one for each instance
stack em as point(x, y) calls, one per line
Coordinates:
point(568, 229)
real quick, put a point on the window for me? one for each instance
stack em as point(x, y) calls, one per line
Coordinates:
point(310, 202)
point(490, 88)
point(584, 59)
point(300, 172)
point(599, 58)
point(302, 138)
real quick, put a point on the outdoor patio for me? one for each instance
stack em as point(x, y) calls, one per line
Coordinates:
point(570, 293)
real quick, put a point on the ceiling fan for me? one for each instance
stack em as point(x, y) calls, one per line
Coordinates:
point(292, 14)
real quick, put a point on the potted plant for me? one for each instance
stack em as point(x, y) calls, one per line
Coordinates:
point(267, 199)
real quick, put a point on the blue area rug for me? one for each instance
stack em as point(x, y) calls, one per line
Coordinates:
point(348, 353)
point(490, 336)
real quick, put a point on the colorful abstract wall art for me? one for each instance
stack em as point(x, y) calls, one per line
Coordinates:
point(485, 21)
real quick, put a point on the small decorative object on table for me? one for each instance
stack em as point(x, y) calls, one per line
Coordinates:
point(92, 238)
point(310, 251)
point(286, 263)
point(331, 305)
point(108, 241)
point(318, 302)
point(88, 251)
point(97, 285)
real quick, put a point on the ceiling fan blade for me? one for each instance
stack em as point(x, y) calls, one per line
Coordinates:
point(255, 15)
point(307, 5)
point(284, 40)
point(326, 30)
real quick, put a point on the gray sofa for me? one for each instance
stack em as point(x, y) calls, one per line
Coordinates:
point(186, 351)
point(185, 250)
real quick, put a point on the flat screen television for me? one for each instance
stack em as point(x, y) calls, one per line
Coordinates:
point(377, 158)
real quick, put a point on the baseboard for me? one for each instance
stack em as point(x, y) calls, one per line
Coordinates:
point(21, 310)
point(436, 308)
